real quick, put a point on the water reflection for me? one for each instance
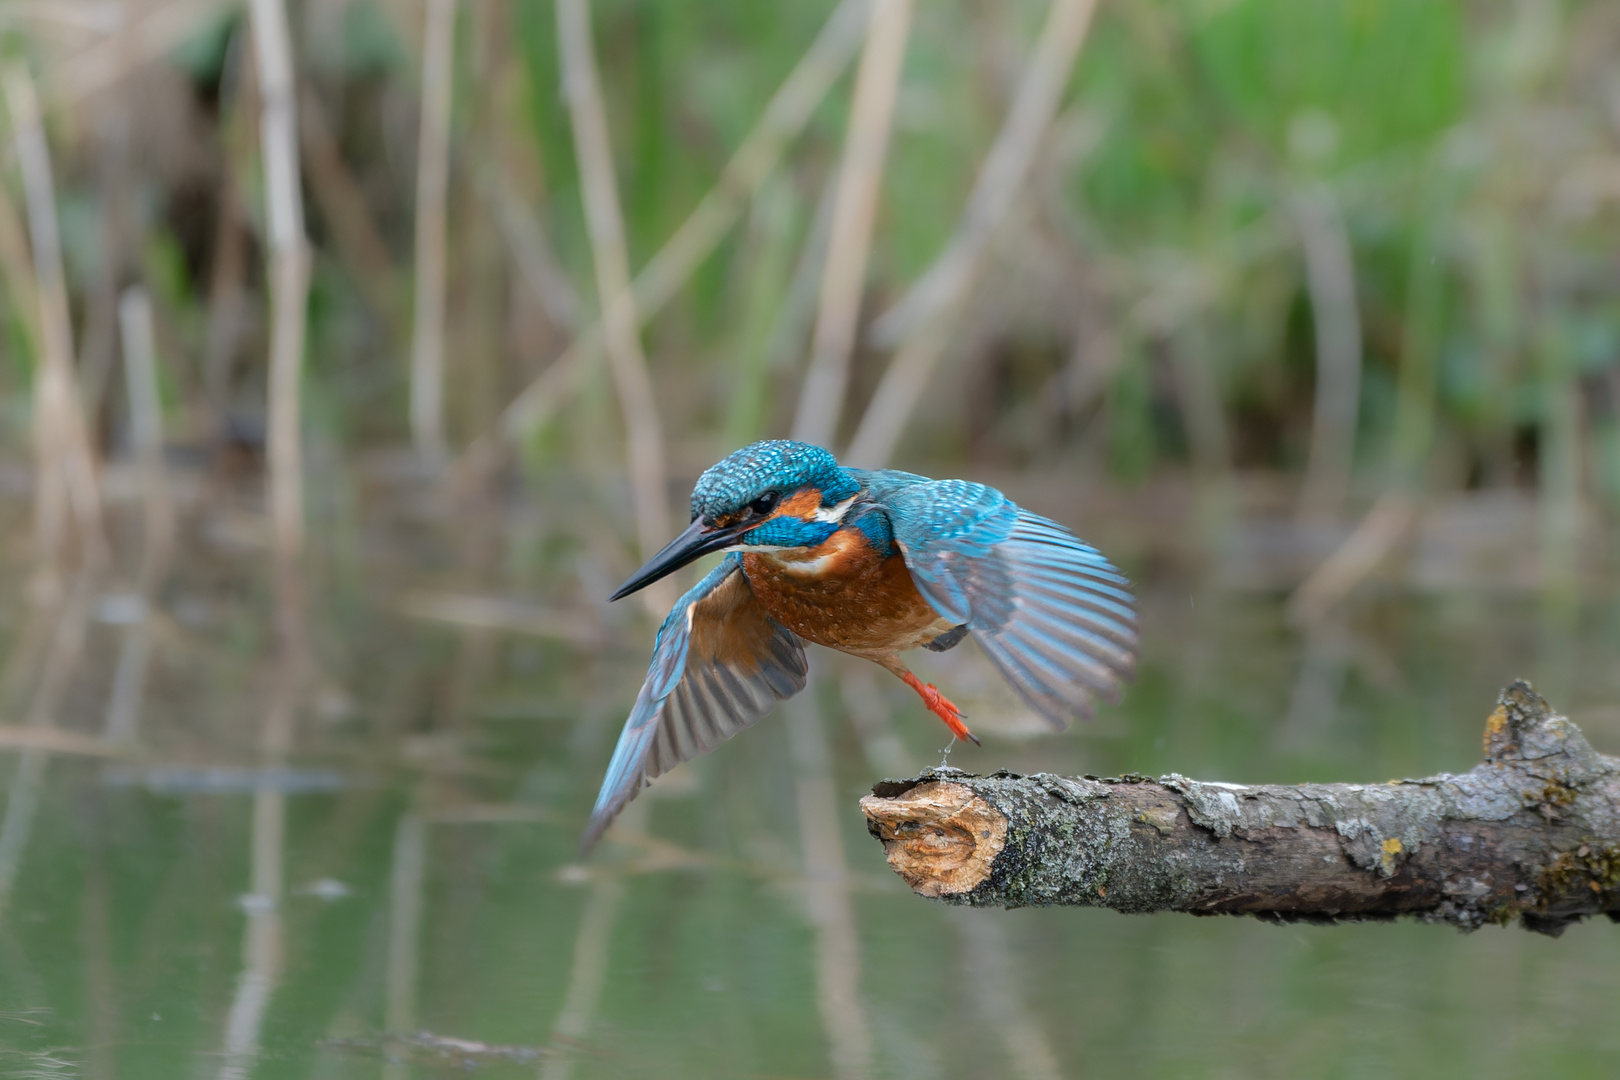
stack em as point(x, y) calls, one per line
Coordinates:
point(396, 892)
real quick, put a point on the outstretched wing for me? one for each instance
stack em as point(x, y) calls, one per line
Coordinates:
point(1052, 613)
point(720, 664)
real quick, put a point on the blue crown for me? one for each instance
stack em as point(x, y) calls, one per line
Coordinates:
point(779, 465)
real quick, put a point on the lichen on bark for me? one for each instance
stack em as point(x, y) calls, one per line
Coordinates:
point(1530, 833)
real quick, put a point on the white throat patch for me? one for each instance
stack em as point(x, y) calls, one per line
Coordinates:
point(837, 511)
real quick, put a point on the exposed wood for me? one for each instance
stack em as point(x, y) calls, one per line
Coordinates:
point(1530, 834)
point(939, 836)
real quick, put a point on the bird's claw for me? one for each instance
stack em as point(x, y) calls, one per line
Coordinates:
point(942, 707)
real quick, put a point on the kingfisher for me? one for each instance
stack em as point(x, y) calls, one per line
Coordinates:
point(872, 563)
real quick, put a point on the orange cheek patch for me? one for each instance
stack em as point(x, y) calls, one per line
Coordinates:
point(801, 504)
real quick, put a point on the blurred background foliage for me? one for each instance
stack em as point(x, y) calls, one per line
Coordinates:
point(1468, 149)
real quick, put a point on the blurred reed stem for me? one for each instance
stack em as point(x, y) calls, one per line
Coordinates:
point(1561, 431)
point(346, 211)
point(69, 620)
point(65, 461)
point(288, 252)
point(50, 497)
point(121, 722)
point(990, 954)
point(1606, 443)
point(100, 340)
point(984, 940)
point(764, 272)
point(152, 35)
point(826, 893)
point(621, 326)
point(925, 317)
point(783, 119)
point(228, 309)
point(479, 260)
point(1383, 527)
point(146, 429)
point(843, 280)
point(432, 184)
point(1330, 278)
point(525, 236)
point(14, 263)
point(1413, 435)
point(263, 950)
point(96, 940)
point(406, 882)
point(1198, 392)
point(593, 943)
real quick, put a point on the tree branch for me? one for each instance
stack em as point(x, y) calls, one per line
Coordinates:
point(1531, 833)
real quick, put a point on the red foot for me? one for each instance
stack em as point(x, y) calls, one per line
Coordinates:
point(938, 704)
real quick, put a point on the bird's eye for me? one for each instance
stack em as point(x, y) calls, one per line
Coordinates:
point(765, 503)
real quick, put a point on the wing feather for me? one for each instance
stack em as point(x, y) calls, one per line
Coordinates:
point(1051, 612)
point(719, 665)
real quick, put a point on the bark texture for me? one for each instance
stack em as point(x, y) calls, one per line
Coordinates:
point(1532, 834)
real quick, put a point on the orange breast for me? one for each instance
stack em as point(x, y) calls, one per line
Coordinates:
point(844, 595)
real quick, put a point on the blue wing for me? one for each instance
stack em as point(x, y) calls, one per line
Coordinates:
point(1048, 609)
point(719, 664)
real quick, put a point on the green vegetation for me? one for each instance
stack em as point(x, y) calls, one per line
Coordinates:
point(1468, 151)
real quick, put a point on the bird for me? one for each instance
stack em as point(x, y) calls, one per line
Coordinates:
point(872, 563)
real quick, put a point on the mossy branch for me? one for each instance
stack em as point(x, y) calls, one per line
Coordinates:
point(1532, 833)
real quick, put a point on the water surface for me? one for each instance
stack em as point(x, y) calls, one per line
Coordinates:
point(410, 868)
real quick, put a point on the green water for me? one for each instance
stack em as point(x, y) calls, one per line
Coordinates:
point(424, 840)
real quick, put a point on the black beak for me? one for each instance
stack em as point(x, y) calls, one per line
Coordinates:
point(697, 541)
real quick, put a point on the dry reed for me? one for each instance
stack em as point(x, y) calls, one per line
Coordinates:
point(826, 892)
point(289, 287)
point(621, 327)
point(262, 947)
point(927, 314)
point(142, 41)
point(432, 186)
point(1330, 277)
point(783, 118)
point(61, 664)
point(843, 280)
point(344, 208)
point(405, 909)
point(66, 461)
point(587, 975)
point(536, 262)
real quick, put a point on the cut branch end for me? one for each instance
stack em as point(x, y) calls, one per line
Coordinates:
point(1531, 834)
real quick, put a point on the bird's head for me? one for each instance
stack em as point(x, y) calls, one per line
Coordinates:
point(773, 494)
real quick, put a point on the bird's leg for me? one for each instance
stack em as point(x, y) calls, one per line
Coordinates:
point(940, 705)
